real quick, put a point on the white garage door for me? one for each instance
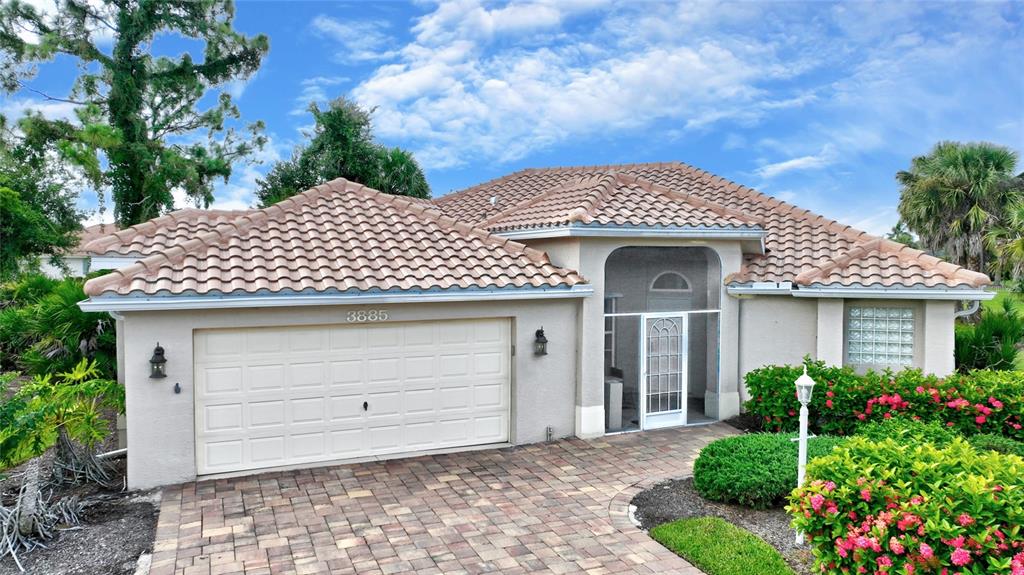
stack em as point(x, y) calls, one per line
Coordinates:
point(290, 395)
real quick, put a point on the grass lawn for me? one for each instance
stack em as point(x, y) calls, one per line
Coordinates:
point(1019, 304)
point(718, 547)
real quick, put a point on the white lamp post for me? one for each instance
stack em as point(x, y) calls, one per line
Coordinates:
point(804, 387)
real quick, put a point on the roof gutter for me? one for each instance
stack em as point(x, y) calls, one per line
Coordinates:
point(786, 288)
point(117, 304)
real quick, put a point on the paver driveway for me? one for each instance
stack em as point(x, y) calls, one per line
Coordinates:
point(558, 507)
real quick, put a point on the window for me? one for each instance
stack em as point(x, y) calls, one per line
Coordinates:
point(880, 336)
point(670, 281)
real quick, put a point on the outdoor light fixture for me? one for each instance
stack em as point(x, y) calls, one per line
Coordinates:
point(158, 363)
point(804, 387)
point(540, 343)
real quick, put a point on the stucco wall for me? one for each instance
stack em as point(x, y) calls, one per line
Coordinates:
point(777, 330)
point(160, 422)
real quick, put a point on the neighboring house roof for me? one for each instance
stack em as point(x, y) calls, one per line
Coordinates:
point(89, 234)
point(158, 234)
point(797, 241)
point(615, 199)
point(337, 238)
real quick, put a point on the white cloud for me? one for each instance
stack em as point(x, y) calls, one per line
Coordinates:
point(315, 90)
point(52, 110)
point(360, 40)
point(812, 162)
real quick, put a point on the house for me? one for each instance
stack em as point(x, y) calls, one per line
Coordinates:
point(79, 261)
point(345, 324)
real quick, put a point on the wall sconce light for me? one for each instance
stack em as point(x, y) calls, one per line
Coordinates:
point(158, 363)
point(540, 343)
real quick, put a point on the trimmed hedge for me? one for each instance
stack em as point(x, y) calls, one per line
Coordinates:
point(906, 430)
point(756, 470)
point(973, 403)
point(907, 507)
point(998, 443)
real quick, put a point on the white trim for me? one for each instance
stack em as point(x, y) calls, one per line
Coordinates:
point(111, 262)
point(895, 293)
point(128, 303)
point(786, 288)
point(632, 232)
point(686, 281)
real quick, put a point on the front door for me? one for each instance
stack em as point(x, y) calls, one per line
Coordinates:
point(663, 373)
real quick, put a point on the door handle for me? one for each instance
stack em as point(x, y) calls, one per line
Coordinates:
point(366, 405)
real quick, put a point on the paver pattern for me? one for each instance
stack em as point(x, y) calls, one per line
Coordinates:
point(559, 507)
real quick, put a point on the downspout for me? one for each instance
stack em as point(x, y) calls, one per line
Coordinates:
point(975, 306)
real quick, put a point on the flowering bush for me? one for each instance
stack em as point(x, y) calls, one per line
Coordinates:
point(903, 509)
point(972, 403)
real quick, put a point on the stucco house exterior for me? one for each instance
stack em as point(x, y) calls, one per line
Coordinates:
point(79, 261)
point(344, 324)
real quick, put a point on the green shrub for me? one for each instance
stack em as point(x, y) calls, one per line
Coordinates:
point(718, 547)
point(905, 430)
point(756, 470)
point(998, 443)
point(971, 403)
point(877, 507)
point(51, 334)
point(993, 342)
point(27, 289)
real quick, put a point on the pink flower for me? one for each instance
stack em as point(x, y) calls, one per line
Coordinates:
point(909, 567)
point(792, 412)
point(884, 561)
point(887, 415)
point(830, 486)
point(926, 551)
point(828, 403)
point(960, 557)
point(861, 416)
point(920, 389)
point(980, 419)
point(865, 494)
point(817, 500)
point(995, 403)
point(965, 519)
point(895, 546)
point(949, 424)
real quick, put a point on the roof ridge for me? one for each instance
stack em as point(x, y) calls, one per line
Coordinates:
point(491, 182)
point(448, 222)
point(595, 198)
point(537, 198)
point(98, 245)
point(96, 285)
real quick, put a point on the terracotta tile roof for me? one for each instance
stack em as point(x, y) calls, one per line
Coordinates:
point(338, 237)
point(615, 199)
point(91, 233)
point(160, 233)
point(883, 263)
point(796, 240)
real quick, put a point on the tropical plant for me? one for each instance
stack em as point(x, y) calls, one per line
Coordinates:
point(952, 197)
point(1006, 241)
point(906, 430)
point(901, 234)
point(898, 507)
point(342, 146)
point(135, 113)
point(51, 334)
point(69, 411)
point(993, 342)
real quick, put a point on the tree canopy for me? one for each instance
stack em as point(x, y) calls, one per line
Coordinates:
point(38, 217)
point(952, 197)
point(342, 146)
point(137, 115)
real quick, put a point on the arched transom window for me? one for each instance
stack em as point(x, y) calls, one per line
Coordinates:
point(670, 282)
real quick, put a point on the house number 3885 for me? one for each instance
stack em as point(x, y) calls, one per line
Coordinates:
point(367, 315)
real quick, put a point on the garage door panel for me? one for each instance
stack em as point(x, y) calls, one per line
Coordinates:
point(273, 396)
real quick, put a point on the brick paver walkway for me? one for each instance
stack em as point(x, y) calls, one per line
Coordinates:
point(558, 507)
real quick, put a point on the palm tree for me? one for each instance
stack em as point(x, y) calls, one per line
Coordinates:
point(900, 234)
point(1006, 242)
point(953, 196)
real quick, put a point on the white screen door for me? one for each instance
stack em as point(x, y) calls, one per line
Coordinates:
point(663, 354)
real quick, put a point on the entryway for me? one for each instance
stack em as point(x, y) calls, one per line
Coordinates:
point(661, 336)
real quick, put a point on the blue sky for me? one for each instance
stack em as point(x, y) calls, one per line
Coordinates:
point(816, 103)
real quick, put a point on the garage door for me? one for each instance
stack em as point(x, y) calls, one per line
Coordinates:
point(290, 395)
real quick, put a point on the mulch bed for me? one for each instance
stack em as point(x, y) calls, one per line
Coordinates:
point(116, 528)
point(677, 499)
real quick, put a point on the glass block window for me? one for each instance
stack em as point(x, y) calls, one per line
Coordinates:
point(882, 336)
